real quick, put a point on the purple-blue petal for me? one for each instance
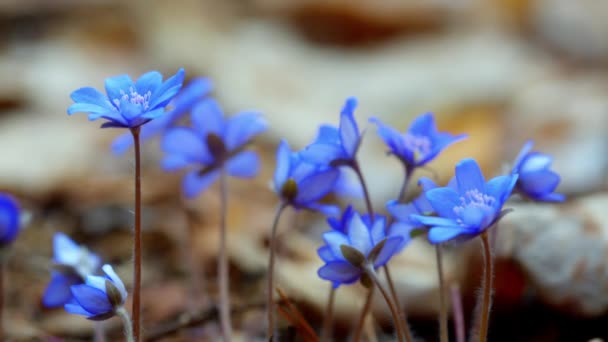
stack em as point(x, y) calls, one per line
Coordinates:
point(208, 117)
point(9, 219)
point(444, 200)
point(391, 246)
point(469, 176)
point(441, 234)
point(184, 142)
point(349, 132)
point(321, 154)
point(281, 171)
point(423, 125)
point(117, 86)
point(57, 292)
point(245, 165)
point(242, 127)
point(193, 183)
point(339, 272)
point(317, 185)
point(91, 299)
point(501, 187)
point(148, 82)
point(166, 92)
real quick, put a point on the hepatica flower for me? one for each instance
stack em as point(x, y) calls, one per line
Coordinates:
point(126, 103)
point(213, 144)
point(420, 144)
point(195, 91)
point(10, 219)
point(72, 264)
point(536, 181)
point(337, 146)
point(346, 252)
point(467, 211)
point(301, 184)
point(99, 297)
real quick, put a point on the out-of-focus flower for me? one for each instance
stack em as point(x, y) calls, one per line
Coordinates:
point(72, 264)
point(99, 297)
point(213, 144)
point(346, 252)
point(471, 208)
point(126, 103)
point(301, 184)
point(10, 218)
point(420, 205)
point(336, 146)
point(183, 102)
point(420, 144)
point(536, 181)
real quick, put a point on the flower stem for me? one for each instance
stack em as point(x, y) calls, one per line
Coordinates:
point(270, 286)
point(137, 238)
point(2, 297)
point(222, 264)
point(402, 323)
point(368, 200)
point(98, 331)
point(329, 316)
point(459, 325)
point(406, 180)
point(487, 287)
point(126, 320)
point(369, 270)
point(364, 311)
point(443, 316)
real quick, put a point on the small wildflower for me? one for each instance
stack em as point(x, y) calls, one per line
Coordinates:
point(212, 144)
point(195, 91)
point(72, 264)
point(420, 144)
point(356, 243)
point(536, 181)
point(99, 297)
point(10, 219)
point(469, 209)
point(337, 146)
point(301, 184)
point(126, 103)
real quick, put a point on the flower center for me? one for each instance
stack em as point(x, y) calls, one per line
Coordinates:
point(474, 201)
point(135, 98)
point(419, 145)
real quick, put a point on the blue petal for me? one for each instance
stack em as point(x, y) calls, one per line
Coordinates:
point(190, 94)
point(148, 82)
point(91, 299)
point(402, 212)
point(349, 132)
point(500, 187)
point(392, 137)
point(9, 219)
point(153, 114)
point(58, 292)
point(121, 144)
point(552, 197)
point(193, 184)
point(74, 307)
point(117, 86)
point(522, 154)
point(207, 117)
point(378, 229)
point(359, 235)
point(423, 125)
point(245, 164)
point(434, 221)
point(442, 234)
point(328, 135)
point(391, 246)
point(538, 183)
point(322, 154)
point(469, 176)
point(325, 209)
point(114, 117)
point(326, 254)
point(88, 108)
point(92, 96)
point(65, 250)
point(347, 185)
point(403, 231)
point(242, 128)
point(334, 240)
point(535, 161)
point(317, 185)
point(476, 217)
point(339, 272)
point(185, 143)
point(167, 90)
point(282, 170)
point(443, 200)
point(175, 162)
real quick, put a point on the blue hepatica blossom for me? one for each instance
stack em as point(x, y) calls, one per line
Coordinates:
point(195, 91)
point(420, 144)
point(72, 264)
point(467, 211)
point(358, 242)
point(536, 181)
point(10, 219)
point(99, 297)
point(126, 103)
point(302, 184)
point(213, 143)
point(337, 146)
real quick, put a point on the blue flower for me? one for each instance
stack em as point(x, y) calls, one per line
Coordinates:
point(301, 184)
point(420, 144)
point(127, 104)
point(420, 205)
point(337, 146)
point(10, 219)
point(195, 91)
point(72, 264)
point(346, 252)
point(536, 181)
point(99, 297)
point(471, 208)
point(213, 143)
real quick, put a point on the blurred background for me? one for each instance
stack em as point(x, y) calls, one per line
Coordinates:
point(503, 71)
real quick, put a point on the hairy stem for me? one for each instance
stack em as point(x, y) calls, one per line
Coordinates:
point(137, 239)
point(459, 325)
point(402, 322)
point(99, 332)
point(406, 180)
point(271, 262)
point(328, 321)
point(487, 287)
point(222, 264)
point(369, 270)
point(364, 311)
point(443, 315)
point(366, 195)
point(126, 321)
